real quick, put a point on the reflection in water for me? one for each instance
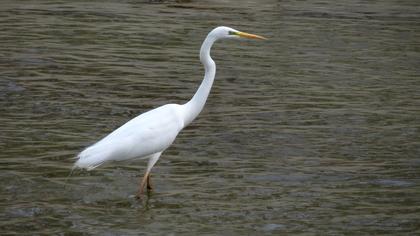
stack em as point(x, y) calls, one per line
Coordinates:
point(314, 131)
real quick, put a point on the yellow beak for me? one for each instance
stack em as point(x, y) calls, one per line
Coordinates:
point(250, 36)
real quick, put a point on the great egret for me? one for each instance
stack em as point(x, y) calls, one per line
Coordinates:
point(149, 134)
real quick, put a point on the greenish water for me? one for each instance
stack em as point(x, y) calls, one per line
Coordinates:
point(315, 131)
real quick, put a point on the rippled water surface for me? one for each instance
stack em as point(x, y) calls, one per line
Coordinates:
point(315, 131)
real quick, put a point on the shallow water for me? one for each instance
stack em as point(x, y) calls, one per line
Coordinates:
point(315, 131)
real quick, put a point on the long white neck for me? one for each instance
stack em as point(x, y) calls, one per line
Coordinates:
point(196, 104)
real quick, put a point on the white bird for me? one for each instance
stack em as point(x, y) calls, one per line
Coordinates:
point(151, 133)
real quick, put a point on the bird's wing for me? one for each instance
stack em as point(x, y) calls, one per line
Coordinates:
point(148, 133)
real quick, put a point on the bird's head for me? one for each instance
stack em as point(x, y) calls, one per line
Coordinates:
point(226, 32)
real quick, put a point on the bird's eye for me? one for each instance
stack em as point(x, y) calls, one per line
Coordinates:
point(232, 33)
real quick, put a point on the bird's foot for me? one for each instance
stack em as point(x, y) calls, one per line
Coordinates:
point(141, 195)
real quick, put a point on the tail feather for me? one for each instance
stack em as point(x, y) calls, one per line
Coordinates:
point(103, 151)
point(90, 158)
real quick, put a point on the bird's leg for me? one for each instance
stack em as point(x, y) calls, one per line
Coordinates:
point(149, 184)
point(142, 183)
point(146, 178)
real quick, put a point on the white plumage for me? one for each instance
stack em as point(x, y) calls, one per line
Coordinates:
point(151, 133)
point(147, 134)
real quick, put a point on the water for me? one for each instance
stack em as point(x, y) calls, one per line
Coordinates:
point(315, 131)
